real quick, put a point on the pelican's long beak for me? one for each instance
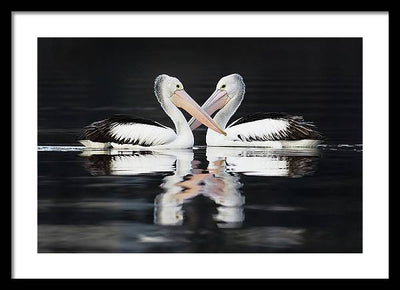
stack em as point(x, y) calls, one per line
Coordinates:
point(181, 99)
point(215, 102)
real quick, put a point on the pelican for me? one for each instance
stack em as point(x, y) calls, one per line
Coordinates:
point(122, 131)
point(276, 130)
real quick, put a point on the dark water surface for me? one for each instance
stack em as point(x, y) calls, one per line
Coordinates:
point(202, 200)
point(205, 199)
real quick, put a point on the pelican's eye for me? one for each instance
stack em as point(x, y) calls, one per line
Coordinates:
point(178, 86)
point(223, 86)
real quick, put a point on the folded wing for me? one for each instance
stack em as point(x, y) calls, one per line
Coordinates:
point(124, 129)
point(272, 127)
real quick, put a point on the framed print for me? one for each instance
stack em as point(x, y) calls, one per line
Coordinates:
point(233, 144)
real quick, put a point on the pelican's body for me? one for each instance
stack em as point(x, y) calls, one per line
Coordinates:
point(122, 131)
point(276, 130)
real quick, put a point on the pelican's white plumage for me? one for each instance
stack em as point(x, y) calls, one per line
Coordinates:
point(277, 130)
point(122, 131)
point(144, 133)
point(266, 128)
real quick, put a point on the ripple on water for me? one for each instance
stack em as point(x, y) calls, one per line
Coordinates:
point(333, 147)
point(341, 147)
point(60, 148)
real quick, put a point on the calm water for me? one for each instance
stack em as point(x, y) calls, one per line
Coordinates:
point(201, 199)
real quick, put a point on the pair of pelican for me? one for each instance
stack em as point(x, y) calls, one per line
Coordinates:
point(276, 130)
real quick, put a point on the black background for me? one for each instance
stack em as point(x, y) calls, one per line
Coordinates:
point(82, 80)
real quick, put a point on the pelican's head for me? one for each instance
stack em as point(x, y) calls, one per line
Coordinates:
point(229, 92)
point(170, 92)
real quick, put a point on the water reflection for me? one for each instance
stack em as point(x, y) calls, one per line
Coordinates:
point(219, 180)
point(125, 162)
point(190, 181)
point(267, 162)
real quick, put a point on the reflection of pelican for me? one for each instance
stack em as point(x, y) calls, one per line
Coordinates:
point(224, 189)
point(277, 130)
point(168, 205)
point(213, 183)
point(267, 162)
point(121, 131)
point(220, 181)
point(124, 162)
point(186, 182)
